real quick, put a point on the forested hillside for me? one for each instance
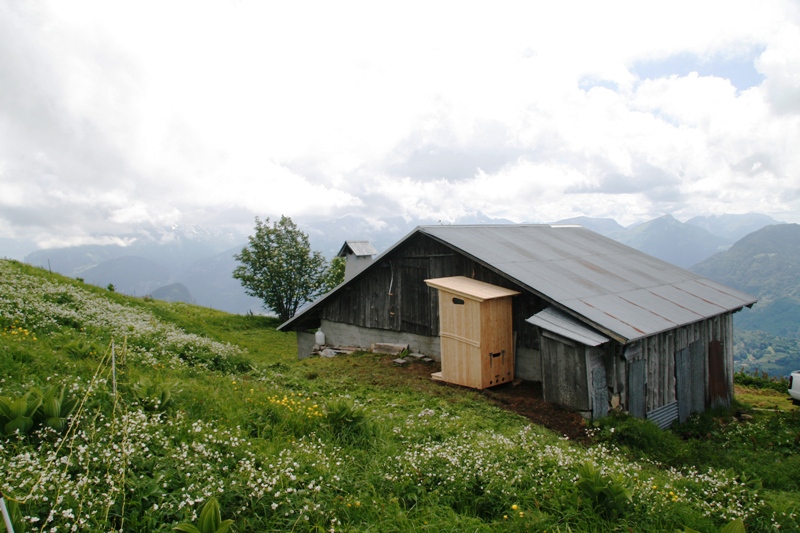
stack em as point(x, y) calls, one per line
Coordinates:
point(765, 263)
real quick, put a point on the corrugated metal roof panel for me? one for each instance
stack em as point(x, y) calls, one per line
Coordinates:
point(359, 248)
point(559, 322)
point(616, 288)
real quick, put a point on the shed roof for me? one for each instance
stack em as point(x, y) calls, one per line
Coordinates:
point(615, 289)
point(470, 288)
point(357, 248)
point(552, 319)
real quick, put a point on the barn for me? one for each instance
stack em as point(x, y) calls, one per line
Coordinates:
point(599, 324)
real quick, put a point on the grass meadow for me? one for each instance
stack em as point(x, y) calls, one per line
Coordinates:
point(129, 414)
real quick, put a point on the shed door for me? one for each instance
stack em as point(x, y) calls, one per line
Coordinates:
point(460, 334)
point(564, 370)
point(717, 378)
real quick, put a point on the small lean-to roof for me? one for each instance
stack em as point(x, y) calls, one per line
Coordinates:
point(358, 248)
point(552, 319)
point(470, 288)
point(616, 290)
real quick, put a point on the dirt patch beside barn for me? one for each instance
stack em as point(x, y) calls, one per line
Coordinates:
point(524, 399)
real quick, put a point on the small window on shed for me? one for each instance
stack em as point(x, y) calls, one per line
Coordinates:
point(458, 301)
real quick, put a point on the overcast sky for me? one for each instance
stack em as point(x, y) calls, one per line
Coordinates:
point(121, 116)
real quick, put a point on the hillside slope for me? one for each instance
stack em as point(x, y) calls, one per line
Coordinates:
point(765, 263)
point(152, 408)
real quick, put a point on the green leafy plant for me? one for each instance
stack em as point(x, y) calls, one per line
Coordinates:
point(210, 520)
point(346, 421)
point(55, 408)
point(81, 348)
point(608, 494)
point(153, 395)
point(737, 526)
point(760, 380)
point(16, 414)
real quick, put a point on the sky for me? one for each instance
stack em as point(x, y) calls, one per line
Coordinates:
point(120, 117)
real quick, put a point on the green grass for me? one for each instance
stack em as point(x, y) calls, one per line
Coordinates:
point(212, 404)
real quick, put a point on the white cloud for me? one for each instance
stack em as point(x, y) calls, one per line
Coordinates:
point(119, 115)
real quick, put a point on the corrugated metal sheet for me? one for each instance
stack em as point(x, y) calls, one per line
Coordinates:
point(618, 290)
point(567, 326)
point(359, 248)
point(664, 416)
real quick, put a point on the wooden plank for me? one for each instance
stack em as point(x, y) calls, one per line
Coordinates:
point(684, 384)
point(470, 288)
point(637, 373)
point(599, 393)
point(415, 311)
point(459, 338)
point(697, 372)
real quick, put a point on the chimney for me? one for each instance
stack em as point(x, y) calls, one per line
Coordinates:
point(358, 255)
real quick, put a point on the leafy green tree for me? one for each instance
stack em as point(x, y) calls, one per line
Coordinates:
point(279, 267)
point(335, 274)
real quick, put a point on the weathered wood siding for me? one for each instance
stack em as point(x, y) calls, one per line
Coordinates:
point(393, 296)
point(566, 377)
point(691, 364)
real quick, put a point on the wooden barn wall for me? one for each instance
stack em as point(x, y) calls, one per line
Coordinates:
point(658, 352)
point(393, 296)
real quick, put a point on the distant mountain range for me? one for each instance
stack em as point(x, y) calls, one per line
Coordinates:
point(201, 259)
point(681, 243)
point(765, 263)
point(188, 264)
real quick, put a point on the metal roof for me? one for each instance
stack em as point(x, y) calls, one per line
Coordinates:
point(358, 248)
point(567, 326)
point(619, 291)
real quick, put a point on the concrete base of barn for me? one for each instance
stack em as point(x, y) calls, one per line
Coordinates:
point(338, 334)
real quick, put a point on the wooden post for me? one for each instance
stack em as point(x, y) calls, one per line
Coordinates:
point(6, 516)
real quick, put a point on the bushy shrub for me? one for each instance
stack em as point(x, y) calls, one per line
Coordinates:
point(346, 421)
point(643, 438)
point(760, 380)
point(608, 494)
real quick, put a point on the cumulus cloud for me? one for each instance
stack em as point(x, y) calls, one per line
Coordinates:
point(117, 119)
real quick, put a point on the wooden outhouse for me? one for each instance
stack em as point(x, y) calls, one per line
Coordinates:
point(476, 332)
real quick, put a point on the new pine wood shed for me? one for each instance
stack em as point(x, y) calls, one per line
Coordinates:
point(475, 328)
point(599, 324)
